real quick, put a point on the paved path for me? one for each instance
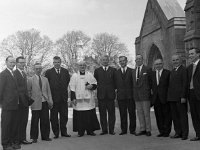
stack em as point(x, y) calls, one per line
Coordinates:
point(114, 142)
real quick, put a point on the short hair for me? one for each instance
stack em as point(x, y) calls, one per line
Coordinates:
point(8, 57)
point(196, 49)
point(158, 59)
point(18, 58)
point(104, 56)
point(123, 57)
point(56, 58)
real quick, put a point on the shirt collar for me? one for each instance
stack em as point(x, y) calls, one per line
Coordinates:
point(160, 71)
point(10, 70)
point(196, 62)
point(124, 68)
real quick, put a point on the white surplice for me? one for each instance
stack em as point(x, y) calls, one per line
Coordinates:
point(84, 98)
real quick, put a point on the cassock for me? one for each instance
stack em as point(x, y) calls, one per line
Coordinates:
point(84, 113)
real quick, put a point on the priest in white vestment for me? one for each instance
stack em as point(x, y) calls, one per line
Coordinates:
point(82, 86)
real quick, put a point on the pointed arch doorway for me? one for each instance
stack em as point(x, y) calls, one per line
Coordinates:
point(154, 53)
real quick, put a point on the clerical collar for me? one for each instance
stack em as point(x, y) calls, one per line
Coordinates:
point(82, 73)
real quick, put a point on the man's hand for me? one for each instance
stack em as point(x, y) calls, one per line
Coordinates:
point(50, 105)
point(89, 87)
point(74, 102)
point(183, 100)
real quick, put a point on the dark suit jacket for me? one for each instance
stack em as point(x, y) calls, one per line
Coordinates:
point(22, 88)
point(141, 88)
point(58, 84)
point(124, 84)
point(161, 89)
point(8, 91)
point(196, 79)
point(177, 84)
point(105, 83)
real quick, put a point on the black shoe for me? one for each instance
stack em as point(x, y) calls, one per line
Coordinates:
point(103, 133)
point(47, 139)
point(112, 133)
point(80, 135)
point(175, 136)
point(140, 133)
point(34, 141)
point(91, 133)
point(25, 142)
point(122, 133)
point(56, 136)
point(166, 135)
point(148, 133)
point(184, 138)
point(8, 148)
point(66, 135)
point(132, 132)
point(195, 139)
point(160, 135)
point(16, 146)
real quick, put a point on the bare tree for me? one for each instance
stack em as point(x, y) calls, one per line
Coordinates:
point(108, 44)
point(70, 47)
point(29, 44)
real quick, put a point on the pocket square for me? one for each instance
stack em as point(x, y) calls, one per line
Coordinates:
point(144, 73)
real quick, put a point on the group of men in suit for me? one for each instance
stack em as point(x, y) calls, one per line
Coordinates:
point(135, 89)
point(42, 93)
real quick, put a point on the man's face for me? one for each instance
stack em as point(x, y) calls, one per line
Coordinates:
point(38, 69)
point(139, 60)
point(193, 55)
point(82, 67)
point(158, 64)
point(123, 62)
point(57, 63)
point(21, 64)
point(176, 61)
point(104, 61)
point(10, 63)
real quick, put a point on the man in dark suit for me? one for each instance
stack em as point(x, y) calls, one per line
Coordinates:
point(177, 98)
point(193, 72)
point(58, 78)
point(105, 77)
point(141, 92)
point(9, 99)
point(23, 107)
point(159, 86)
point(125, 96)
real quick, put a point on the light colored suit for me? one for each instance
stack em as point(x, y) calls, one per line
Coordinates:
point(36, 94)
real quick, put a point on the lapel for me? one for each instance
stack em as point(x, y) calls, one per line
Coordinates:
point(197, 68)
point(134, 75)
point(36, 82)
point(11, 76)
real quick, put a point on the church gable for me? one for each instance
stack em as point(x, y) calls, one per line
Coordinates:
point(151, 21)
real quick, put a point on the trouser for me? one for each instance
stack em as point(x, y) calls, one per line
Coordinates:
point(9, 127)
point(42, 116)
point(143, 113)
point(163, 117)
point(127, 106)
point(58, 125)
point(180, 117)
point(23, 120)
point(107, 106)
point(195, 111)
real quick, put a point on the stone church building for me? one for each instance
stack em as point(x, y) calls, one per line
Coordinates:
point(165, 30)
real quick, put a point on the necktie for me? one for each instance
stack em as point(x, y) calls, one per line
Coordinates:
point(138, 72)
point(158, 72)
point(40, 83)
point(123, 71)
point(58, 71)
point(105, 69)
point(23, 74)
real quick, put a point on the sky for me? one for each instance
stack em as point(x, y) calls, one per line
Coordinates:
point(54, 18)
